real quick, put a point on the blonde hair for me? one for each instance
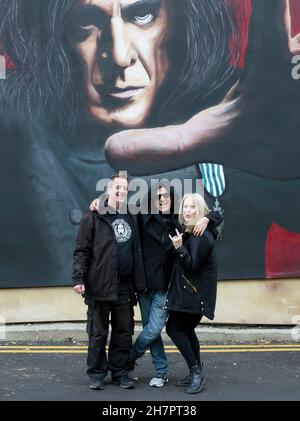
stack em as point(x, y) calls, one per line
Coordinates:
point(201, 210)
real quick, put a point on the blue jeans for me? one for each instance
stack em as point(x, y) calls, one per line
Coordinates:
point(154, 317)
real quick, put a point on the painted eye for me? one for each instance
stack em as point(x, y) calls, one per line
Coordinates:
point(144, 20)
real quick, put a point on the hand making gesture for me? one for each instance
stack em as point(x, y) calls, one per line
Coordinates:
point(177, 239)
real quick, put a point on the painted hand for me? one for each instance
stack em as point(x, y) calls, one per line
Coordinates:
point(253, 129)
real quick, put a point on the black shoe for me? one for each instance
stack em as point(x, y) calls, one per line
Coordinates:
point(96, 383)
point(184, 382)
point(123, 381)
point(197, 380)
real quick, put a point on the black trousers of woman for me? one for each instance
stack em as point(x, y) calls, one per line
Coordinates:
point(181, 329)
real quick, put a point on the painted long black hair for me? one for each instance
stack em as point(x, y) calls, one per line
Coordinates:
point(205, 49)
point(46, 82)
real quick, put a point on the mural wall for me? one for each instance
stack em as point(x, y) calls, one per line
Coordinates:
point(200, 89)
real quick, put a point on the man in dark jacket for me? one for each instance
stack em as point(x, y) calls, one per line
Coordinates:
point(108, 269)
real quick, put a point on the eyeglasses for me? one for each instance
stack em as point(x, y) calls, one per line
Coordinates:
point(162, 196)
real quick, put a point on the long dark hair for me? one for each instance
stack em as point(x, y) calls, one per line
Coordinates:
point(46, 82)
point(205, 49)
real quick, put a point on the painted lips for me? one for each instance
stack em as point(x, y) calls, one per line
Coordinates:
point(118, 93)
point(126, 94)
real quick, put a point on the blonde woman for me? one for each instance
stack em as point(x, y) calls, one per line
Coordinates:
point(192, 292)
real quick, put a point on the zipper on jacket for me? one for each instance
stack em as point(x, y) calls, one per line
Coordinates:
point(189, 282)
point(116, 251)
point(165, 307)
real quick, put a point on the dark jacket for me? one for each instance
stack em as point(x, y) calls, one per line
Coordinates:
point(159, 258)
point(158, 254)
point(193, 287)
point(95, 258)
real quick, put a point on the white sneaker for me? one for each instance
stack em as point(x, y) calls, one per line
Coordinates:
point(159, 381)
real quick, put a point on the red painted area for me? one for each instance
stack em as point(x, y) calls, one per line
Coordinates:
point(282, 253)
point(9, 64)
point(243, 14)
point(244, 8)
point(295, 15)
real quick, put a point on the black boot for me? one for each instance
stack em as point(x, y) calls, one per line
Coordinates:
point(197, 379)
point(184, 382)
point(124, 381)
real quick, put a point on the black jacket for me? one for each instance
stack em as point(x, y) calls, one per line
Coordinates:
point(159, 258)
point(95, 258)
point(193, 287)
point(158, 254)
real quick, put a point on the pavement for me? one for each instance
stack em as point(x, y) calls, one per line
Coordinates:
point(243, 366)
point(75, 332)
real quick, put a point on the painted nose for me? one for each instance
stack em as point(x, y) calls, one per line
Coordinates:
point(121, 48)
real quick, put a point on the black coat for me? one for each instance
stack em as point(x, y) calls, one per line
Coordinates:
point(159, 258)
point(158, 255)
point(95, 258)
point(193, 288)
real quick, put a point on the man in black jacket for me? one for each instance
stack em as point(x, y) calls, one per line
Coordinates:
point(108, 269)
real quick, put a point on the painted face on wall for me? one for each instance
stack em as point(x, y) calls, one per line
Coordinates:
point(122, 45)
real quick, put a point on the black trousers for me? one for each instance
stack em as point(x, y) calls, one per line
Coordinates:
point(181, 329)
point(121, 314)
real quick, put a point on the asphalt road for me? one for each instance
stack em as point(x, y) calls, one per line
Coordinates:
point(233, 373)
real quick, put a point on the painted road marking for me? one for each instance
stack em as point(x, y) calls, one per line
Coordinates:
point(82, 349)
point(293, 345)
point(290, 345)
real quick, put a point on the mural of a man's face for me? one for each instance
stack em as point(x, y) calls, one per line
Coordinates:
point(123, 48)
